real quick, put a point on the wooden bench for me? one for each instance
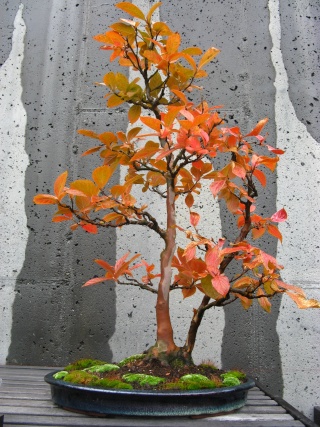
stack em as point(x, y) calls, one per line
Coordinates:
point(25, 401)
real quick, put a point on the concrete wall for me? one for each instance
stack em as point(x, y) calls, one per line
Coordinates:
point(269, 66)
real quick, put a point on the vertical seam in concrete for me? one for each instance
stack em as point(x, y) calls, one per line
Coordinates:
point(299, 165)
point(14, 162)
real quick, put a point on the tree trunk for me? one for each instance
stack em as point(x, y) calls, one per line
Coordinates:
point(165, 342)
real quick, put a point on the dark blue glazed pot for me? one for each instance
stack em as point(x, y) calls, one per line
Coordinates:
point(98, 401)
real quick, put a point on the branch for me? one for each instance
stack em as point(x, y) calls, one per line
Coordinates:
point(134, 282)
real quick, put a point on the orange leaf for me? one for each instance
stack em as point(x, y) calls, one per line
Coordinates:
point(233, 203)
point(188, 292)
point(147, 151)
point(45, 199)
point(131, 9)
point(91, 151)
point(189, 200)
point(173, 43)
point(152, 123)
point(258, 128)
point(258, 232)
point(60, 183)
point(274, 231)
point(108, 138)
point(264, 301)
point(180, 95)
point(260, 177)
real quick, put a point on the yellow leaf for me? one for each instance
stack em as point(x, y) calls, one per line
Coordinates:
point(114, 101)
point(88, 133)
point(85, 186)
point(208, 289)
point(134, 113)
point(303, 302)
point(101, 175)
point(193, 50)
point(121, 82)
point(112, 216)
point(162, 29)
point(152, 10)
point(131, 9)
point(211, 53)
point(245, 302)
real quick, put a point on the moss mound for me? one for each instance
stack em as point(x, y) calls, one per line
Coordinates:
point(83, 364)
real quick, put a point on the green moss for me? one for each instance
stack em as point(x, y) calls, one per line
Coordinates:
point(197, 381)
point(107, 367)
point(143, 379)
point(237, 374)
point(132, 358)
point(179, 386)
point(230, 381)
point(208, 365)
point(83, 364)
point(112, 384)
point(60, 375)
point(80, 377)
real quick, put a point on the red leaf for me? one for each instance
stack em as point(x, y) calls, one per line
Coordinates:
point(95, 281)
point(213, 260)
point(217, 186)
point(279, 216)
point(194, 218)
point(90, 228)
point(275, 150)
point(221, 284)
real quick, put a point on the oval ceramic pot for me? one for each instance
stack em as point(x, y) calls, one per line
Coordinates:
point(99, 402)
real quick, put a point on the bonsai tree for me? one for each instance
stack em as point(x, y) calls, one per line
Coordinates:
point(173, 160)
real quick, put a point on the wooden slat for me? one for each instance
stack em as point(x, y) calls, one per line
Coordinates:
point(25, 400)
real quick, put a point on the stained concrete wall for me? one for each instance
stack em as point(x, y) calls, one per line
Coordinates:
point(269, 66)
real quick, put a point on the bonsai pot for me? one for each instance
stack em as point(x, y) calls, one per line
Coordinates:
point(103, 402)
